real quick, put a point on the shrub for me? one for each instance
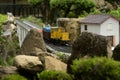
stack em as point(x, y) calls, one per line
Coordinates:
point(54, 75)
point(3, 18)
point(8, 62)
point(97, 68)
point(62, 56)
point(14, 77)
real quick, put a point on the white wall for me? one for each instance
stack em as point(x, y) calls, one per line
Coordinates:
point(106, 30)
point(95, 28)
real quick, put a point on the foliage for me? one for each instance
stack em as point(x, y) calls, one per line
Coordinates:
point(54, 75)
point(8, 44)
point(115, 3)
point(62, 56)
point(8, 62)
point(34, 2)
point(72, 6)
point(95, 11)
point(52, 9)
point(115, 13)
point(14, 77)
point(97, 68)
point(3, 18)
point(9, 48)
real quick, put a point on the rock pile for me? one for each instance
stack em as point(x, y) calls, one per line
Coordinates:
point(34, 56)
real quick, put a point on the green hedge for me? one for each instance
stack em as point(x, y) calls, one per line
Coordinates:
point(97, 68)
point(14, 77)
point(54, 75)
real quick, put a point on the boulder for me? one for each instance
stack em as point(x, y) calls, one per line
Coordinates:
point(6, 70)
point(28, 63)
point(116, 52)
point(54, 64)
point(43, 54)
point(90, 45)
point(33, 43)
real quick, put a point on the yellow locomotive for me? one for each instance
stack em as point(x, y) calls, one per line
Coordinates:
point(56, 33)
point(59, 33)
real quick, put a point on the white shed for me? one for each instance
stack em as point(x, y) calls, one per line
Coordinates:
point(102, 24)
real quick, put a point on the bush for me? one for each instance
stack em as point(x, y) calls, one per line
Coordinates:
point(54, 75)
point(8, 62)
point(96, 69)
point(3, 18)
point(14, 77)
point(62, 56)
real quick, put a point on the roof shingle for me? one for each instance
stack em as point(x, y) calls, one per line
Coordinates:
point(96, 19)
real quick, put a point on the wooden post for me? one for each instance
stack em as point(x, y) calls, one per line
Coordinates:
point(114, 40)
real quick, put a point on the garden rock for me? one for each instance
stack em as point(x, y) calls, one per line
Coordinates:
point(90, 45)
point(33, 43)
point(116, 52)
point(43, 54)
point(28, 63)
point(54, 64)
point(6, 70)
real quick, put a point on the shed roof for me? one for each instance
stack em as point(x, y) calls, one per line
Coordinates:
point(97, 19)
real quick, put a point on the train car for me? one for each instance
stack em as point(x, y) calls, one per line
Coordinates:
point(46, 33)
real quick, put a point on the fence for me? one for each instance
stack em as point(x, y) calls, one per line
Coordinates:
point(20, 9)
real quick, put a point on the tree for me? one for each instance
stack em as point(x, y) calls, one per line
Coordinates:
point(76, 7)
point(44, 7)
point(115, 13)
point(63, 8)
point(34, 2)
point(115, 3)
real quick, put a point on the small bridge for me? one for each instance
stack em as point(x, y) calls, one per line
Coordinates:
point(23, 28)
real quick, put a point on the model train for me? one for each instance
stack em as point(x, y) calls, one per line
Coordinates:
point(56, 34)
